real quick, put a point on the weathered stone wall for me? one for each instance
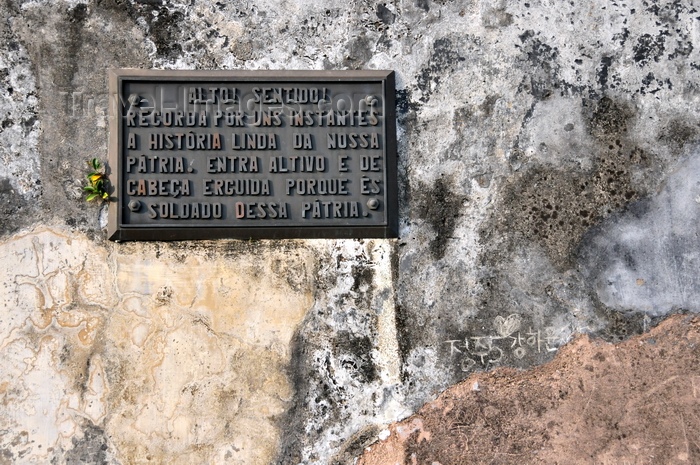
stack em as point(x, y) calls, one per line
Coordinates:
point(548, 187)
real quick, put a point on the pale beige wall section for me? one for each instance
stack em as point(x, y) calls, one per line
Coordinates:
point(175, 355)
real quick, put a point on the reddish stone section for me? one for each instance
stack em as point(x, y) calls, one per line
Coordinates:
point(637, 402)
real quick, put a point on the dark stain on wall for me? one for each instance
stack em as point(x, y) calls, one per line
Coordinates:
point(608, 118)
point(403, 336)
point(91, 448)
point(71, 32)
point(444, 59)
point(543, 63)
point(12, 208)
point(441, 207)
point(164, 31)
point(555, 207)
point(354, 446)
point(358, 52)
point(423, 5)
point(603, 72)
point(363, 285)
point(649, 48)
point(164, 24)
point(292, 420)
point(679, 132)
point(355, 355)
point(384, 14)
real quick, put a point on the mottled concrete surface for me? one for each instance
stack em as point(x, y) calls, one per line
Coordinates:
point(548, 187)
point(634, 403)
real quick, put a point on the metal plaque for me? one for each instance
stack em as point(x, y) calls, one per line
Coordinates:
point(252, 154)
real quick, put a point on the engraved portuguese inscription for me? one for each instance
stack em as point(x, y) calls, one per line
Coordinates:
point(252, 155)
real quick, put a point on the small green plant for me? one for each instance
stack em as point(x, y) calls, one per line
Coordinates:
point(97, 182)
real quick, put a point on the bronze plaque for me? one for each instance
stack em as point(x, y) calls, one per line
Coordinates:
point(252, 154)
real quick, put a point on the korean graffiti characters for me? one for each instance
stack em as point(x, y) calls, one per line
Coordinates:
point(509, 340)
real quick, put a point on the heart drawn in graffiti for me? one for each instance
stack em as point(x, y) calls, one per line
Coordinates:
point(507, 326)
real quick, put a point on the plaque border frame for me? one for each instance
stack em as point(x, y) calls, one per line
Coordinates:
point(117, 231)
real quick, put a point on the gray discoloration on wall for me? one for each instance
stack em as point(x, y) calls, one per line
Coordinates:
point(91, 448)
point(645, 260)
point(20, 187)
point(343, 367)
point(547, 165)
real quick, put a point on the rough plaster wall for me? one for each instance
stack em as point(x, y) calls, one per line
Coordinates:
point(548, 185)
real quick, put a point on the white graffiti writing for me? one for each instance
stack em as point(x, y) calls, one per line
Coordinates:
point(510, 339)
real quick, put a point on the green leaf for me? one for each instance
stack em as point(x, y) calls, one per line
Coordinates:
point(97, 181)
